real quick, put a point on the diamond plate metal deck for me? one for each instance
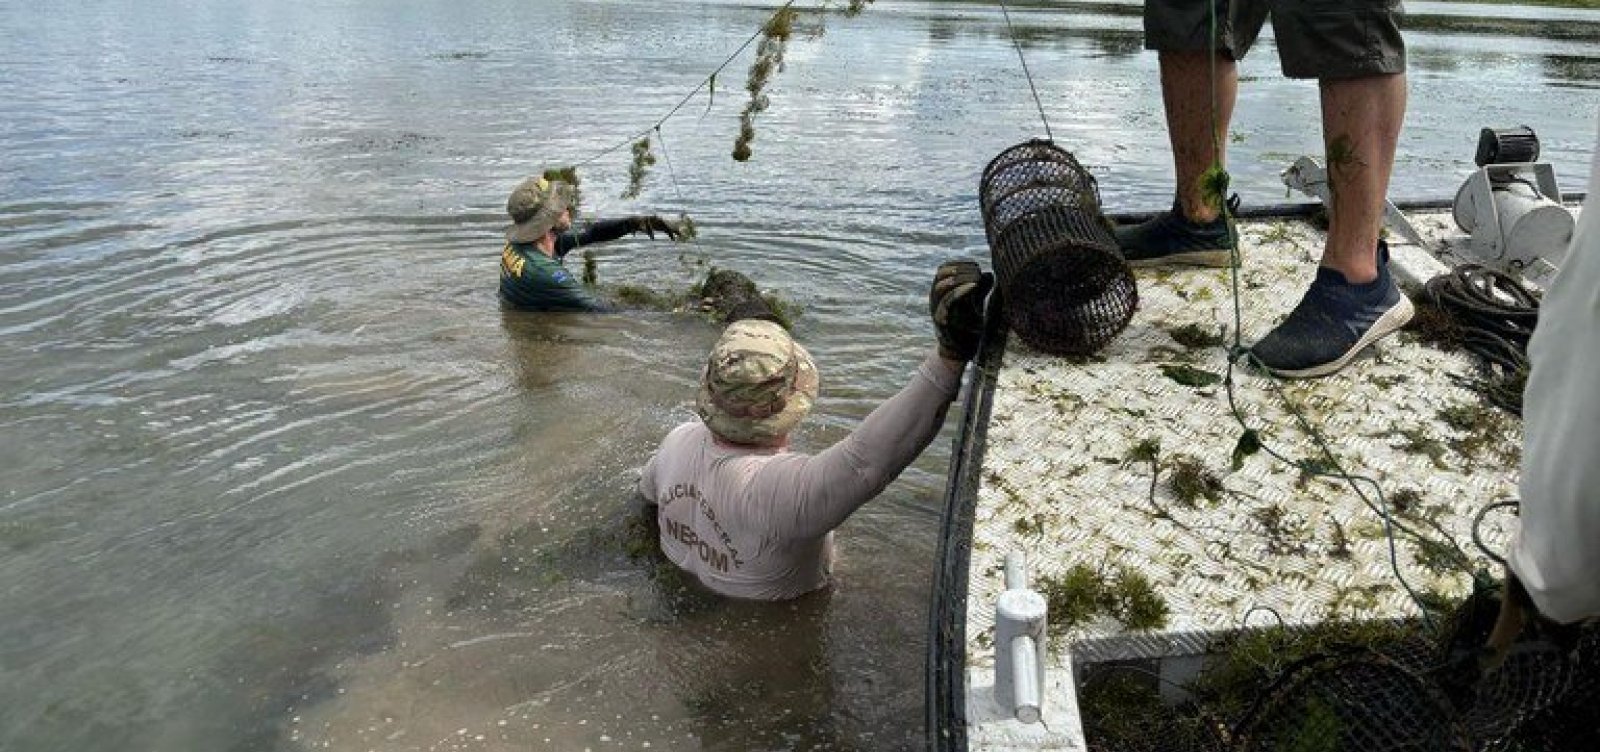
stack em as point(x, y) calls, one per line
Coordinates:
point(1056, 484)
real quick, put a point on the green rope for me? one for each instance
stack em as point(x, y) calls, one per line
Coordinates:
point(1238, 352)
point(694, 240)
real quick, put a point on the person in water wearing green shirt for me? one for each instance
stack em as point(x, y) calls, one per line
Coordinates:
point(532, 276)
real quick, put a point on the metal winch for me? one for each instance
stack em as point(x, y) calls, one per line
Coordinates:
point(1511, 206)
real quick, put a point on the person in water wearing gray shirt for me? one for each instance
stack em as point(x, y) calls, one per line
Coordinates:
point(752, 519)
point(532, 276)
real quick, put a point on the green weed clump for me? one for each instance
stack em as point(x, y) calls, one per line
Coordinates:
point(1073, 598)
point(1190, 376)
point(1214, 186)
point(1190, 481)
point(1433, 325)
point(1195, 336)
point(568, 175)
point(1245, 661)
point(643, 297)
point(1286, 534)
point(1135, 601)
point(1342, 159)
point(1081, 593)
point(590, 275)
point(1315, 467)
point(775, 37)
point(1480, 426)
point(686, 228)
point(642, 160)
point(1405, 500)
point(1031, 525)
point(1146, 450)
point(785, 310)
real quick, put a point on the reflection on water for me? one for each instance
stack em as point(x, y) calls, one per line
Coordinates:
point(1463, 21)
point(1582, 71)
point(277, 472)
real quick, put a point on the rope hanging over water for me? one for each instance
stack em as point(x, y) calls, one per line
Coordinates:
point(709, 80)
point(1017, 43)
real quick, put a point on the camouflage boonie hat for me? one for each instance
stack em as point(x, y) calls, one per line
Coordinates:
point(535, 206)
point(758, 383)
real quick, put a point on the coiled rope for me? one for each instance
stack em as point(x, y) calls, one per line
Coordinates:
point(1493, 316)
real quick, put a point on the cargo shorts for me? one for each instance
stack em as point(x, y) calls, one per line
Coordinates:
point(1324, 39)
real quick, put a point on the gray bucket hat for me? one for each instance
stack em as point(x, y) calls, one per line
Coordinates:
point(535, 206)
point(758, 383)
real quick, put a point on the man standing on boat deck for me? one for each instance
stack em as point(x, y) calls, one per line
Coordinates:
point(532, 276)
point(1355, 52)
point(752, 519)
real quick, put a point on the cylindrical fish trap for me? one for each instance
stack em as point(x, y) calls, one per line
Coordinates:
point(1065, 286)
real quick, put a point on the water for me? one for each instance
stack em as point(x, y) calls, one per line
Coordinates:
point(277, 473)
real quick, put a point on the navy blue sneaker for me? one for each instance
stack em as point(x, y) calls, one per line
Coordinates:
point(1334, 322)
point(1170, 239)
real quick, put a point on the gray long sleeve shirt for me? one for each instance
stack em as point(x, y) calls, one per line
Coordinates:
point(757, 523)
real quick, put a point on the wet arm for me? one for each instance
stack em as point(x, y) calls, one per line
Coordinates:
point(597, 232)
point(647, 479)
point(811, 495)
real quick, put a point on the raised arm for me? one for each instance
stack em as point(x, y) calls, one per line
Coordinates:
point(606, 230)
point(808, 496)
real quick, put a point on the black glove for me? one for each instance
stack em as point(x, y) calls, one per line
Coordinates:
point(956, 304)
point(651, 223)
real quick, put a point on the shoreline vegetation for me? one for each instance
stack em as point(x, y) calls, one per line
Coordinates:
point(1134, 8)
point(1586, 4)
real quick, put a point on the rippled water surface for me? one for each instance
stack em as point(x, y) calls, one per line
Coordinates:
point(276, 472)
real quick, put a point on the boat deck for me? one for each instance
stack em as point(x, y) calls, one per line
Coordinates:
point(1063, 472)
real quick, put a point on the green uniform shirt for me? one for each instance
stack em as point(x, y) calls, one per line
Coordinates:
point(533, 281)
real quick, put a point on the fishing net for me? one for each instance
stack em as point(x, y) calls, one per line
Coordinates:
point(1123, 711)
point(1362, 687)
point(1065, 286)
point(1542, 697)
point(1363, 702)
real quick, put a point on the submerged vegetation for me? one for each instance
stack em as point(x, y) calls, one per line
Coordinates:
point(708, 296)
point(640, 296)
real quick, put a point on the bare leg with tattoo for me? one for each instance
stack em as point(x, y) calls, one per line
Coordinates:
point(1360, 124)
